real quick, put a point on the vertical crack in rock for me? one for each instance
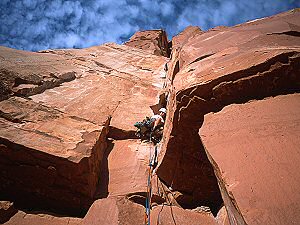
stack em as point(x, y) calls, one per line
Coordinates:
point(175, 70)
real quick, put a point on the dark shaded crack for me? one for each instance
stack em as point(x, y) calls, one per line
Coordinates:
point(20, 80)
point(102, 65)
point(175, 71)
point(44, 134)
point(201, 58)
point(290, 33)
point(11, 117)
point(120, 134)
point(84, 120)
point(139, 198)
point(146, 69)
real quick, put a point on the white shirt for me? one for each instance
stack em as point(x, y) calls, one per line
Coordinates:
point(158, 116)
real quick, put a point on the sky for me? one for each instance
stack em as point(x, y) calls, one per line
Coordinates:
point(42, 24)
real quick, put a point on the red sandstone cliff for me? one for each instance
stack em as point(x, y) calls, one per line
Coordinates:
point(153, 41)
point(247, 152)
point(68, 152)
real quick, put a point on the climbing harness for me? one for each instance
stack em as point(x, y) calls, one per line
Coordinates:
point(145, 130)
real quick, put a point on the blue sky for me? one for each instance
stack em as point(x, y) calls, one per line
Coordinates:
point(42, 24)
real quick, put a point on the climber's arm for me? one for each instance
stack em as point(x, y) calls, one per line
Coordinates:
point(156, 123)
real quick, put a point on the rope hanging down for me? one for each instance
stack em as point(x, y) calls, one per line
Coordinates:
point(169, 202)
point(152, 161)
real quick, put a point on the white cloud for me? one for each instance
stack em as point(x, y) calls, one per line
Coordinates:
point(42, 24)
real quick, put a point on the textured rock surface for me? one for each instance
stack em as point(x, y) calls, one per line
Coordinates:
point(52, 144)
point(60, 109)
point(114, 211)
point(126, 169)
point(215, 69)
point(180, 39)
point(48, 156)
point(154, 41)
point(174, 215)
point(255, 151)
point(37, 218)
point(222, 217)
point(117, 81)
point(27, 73)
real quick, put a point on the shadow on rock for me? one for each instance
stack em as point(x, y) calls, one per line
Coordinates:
point(102, 190)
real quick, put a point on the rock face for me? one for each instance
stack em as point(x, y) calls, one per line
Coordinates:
point(67, 144)
point(38, 218)
point(189, 32)
point(175, 215)
point(211, 70)
point(154, 41)
point(126, 175)
point(53, 143)
point(262, 185)
point(114, 211)
point(27, 73)
point(48, 156)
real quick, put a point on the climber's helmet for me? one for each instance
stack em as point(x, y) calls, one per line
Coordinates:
point(163, 110)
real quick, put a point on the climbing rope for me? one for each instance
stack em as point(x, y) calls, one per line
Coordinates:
point(169, 202)
point(152, 161)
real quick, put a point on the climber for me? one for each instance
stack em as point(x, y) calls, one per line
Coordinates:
point(159, 119)
point(151, 126)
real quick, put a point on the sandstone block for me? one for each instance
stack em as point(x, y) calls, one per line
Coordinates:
point(114, 211)
point(175, 215)
point(48, 157)
point(38, 218)
point(254, 148)
point(154, 41)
